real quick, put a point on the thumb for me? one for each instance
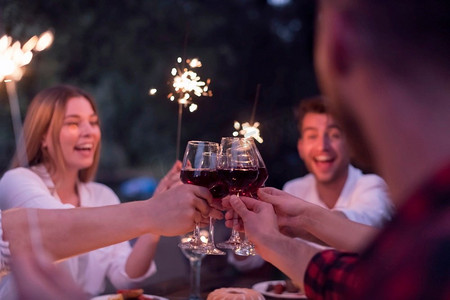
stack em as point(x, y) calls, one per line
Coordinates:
point(239, 206)
point(270, 195)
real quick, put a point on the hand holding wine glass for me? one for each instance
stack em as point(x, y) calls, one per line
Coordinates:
point(199, 167)
point(237, 168)
point(247, 248)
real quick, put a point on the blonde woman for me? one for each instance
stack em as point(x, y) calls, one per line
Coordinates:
point(62, 137)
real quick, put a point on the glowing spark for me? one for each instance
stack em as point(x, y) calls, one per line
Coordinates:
point(152, 91)
point(13, 57)
point(193, 107)
point(187, 83)
point(194, 63)
point(248, 130)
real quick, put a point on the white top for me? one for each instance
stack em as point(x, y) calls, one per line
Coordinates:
point(4, 252)
point(34, 188)
point(364, 199)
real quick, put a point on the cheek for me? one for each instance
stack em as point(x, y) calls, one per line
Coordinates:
point(342, 149)
point(68, 136)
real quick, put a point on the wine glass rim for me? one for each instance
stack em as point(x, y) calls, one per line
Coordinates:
point(202, 142)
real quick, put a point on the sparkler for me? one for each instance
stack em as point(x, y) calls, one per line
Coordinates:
point(247, 130)
point(187, 84)
point(13, 58)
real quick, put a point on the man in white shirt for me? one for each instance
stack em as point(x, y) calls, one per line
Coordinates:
point(333, 183)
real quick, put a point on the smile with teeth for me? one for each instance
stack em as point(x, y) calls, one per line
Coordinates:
point(85, 147)
point(323, 158)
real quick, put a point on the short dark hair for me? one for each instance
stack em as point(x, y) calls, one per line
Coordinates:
point(401, 34)
point(315, 104)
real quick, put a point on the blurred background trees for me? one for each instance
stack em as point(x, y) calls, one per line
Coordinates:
point(118, 50)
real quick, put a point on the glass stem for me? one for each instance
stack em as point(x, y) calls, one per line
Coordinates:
point(196, 235)
point(234, 233)
point(195, 279)
point(211, 231)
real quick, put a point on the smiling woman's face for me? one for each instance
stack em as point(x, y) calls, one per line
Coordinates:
point(79, 136)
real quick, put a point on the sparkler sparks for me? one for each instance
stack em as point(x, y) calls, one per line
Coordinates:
point(13, 57)
point(247, 130)
point(187, 84)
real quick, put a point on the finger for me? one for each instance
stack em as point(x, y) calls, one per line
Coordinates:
point(239, 207)
point(229, 215)
point(251, 203)
point(217, 204)
point(216, 214)
point(226, 202)
point(270, 191)
point(270, 195)
point(202, 199)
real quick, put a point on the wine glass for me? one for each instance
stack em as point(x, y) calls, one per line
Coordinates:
point(195, 263)
point(200, 168)
point(246, 248)
point(238, 168)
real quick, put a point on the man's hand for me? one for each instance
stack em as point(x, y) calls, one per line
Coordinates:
point(290, 211)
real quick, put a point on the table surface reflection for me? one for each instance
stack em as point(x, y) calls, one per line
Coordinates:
point(178, 288)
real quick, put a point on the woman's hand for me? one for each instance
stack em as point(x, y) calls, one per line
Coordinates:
point(170, 180)
point(176, 211)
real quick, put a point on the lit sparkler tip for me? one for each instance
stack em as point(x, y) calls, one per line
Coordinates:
point(30, 44)
point(45, 40)
point(248, 130)
point(187, 83)
point(194, 63)
point(193, 107)
point(13, 57)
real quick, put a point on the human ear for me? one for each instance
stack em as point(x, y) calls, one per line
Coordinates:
point(341, 45)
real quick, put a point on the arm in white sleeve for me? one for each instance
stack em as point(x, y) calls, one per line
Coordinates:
point(370, 203)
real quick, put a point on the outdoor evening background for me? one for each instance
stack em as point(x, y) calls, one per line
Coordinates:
point(118, 50)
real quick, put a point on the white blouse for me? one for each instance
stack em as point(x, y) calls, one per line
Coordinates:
point(4, 252)
point(34, 188)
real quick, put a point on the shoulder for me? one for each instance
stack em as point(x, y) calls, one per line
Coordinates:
point(298, 182)
point(365, 180)
point(19, 176)
point(371, 181)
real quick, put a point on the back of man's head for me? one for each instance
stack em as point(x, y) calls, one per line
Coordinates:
point(401, 34)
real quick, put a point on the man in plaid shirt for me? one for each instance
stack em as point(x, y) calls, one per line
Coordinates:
point(385, 67)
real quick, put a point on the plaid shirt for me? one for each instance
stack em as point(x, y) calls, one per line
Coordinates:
point(409, 260)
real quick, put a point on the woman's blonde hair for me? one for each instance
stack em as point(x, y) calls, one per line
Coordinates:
point(46, 113)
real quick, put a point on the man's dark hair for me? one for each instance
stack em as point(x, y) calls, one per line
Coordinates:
point(402, 34)
point(314, 104)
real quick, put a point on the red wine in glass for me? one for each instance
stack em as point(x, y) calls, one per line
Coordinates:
point(259, 182)
point(238, 179)
point(205, 178)
point(219, 190)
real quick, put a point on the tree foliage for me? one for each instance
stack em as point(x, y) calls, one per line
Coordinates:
point(117, 50)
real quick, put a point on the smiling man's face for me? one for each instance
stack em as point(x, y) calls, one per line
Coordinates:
point(323, 148)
